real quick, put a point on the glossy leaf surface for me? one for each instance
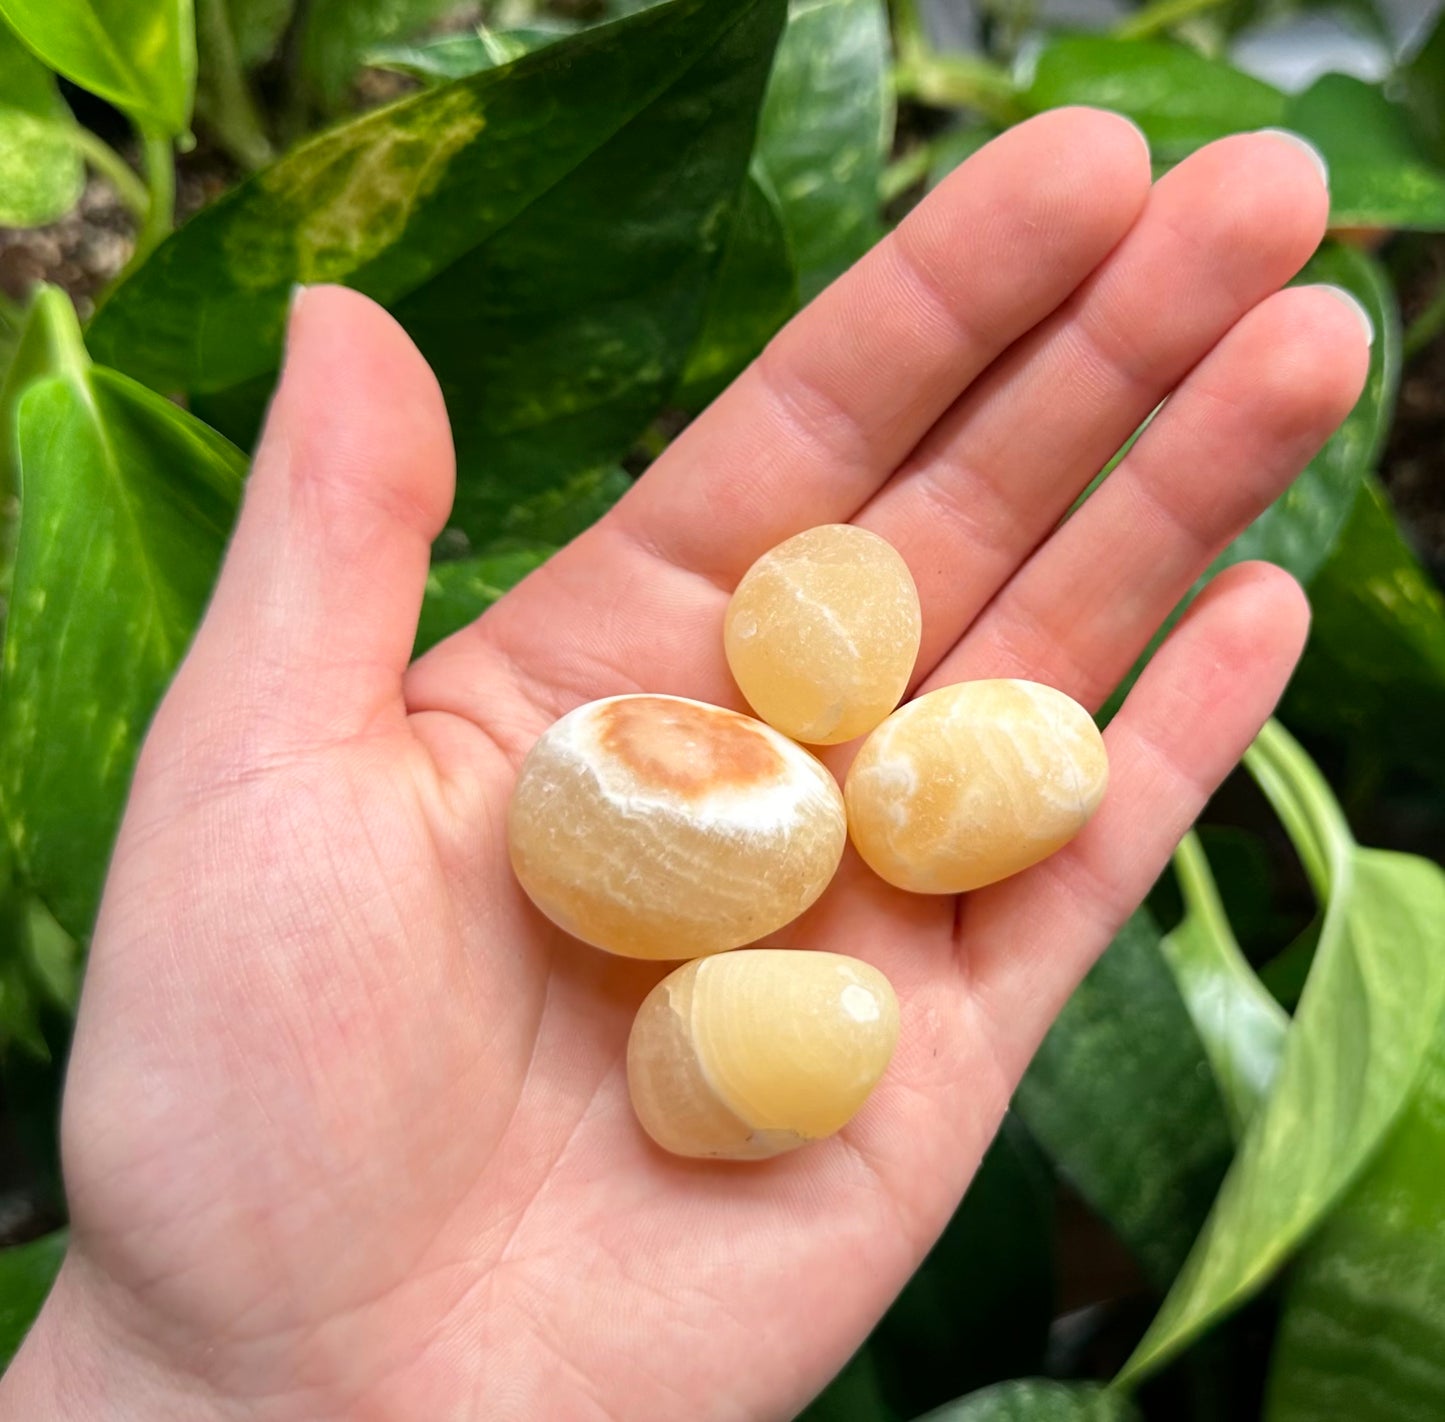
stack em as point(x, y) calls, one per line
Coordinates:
point(824, 133)
point(1353, 1053)
point(460, 56)
point(126, 504)
point(41, 174)
point(1179, 97)
point(524, 537)
point(1121, 1097)
point(1363, 1334)
point(257, 26)
point(1375, 665)
point(26, 1273)
point(1241, 1026)
point(753, 293)
point(462, 213)
point(1037, 1400)
point(336, 35)
point(140, 55)
point(1379, 176)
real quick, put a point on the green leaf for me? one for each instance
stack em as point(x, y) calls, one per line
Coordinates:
point(553, 273)
point(257, 26)
point(126, 504)
point(1121, 1098)
point(1379, 177)
point(955, 147)
point(1181, 99)
point(19, 1019)
point(1035, 1400)
point(460, 56)
point(1356, 1047)
point(826, 125)
point(1375, 664)
point(855, 1395)
point(26, 1273)
point(140, 55)
point(41, 349)
point(980, 1305)
point(753, 293)
point(1362, 1337)
point(337, 34)
point(523, 538)
point(754, 289)
point(1423, 82)
point(39, 965)
point(41, 173)
point(458, 593)
point(1242, 1027)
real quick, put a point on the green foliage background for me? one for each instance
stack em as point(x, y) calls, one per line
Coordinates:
point(1217, 1195)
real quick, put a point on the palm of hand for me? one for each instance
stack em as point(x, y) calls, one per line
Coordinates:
point(347, 1132)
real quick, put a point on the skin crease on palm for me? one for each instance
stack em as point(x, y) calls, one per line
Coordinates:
point(346, 1130)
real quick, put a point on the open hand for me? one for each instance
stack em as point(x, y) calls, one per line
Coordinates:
point(346, 1131)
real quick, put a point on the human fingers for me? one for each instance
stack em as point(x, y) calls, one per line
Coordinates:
point(1023, 944)
point(314, 614)
point(1221, 232)
point(1224, 447)
point(813, 427)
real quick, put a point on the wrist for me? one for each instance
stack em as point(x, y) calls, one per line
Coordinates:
point(78, 1365)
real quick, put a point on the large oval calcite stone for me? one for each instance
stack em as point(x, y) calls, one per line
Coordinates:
point(657, 827)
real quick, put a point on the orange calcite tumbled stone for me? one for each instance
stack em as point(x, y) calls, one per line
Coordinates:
point(657, 827)
point(822, 633)
point(972, 783)
point(750, 1054)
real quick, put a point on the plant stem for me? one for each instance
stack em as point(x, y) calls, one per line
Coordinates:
point(1305, 804)
point(112, 167)
point(11, 312)
point(225, 101)
point(1159, 16)
point(908, 33)
point(956, 81)
point(160, 165)
point(950, 81)
point(1426, 326)
point(902, 173)
point(1201, 899)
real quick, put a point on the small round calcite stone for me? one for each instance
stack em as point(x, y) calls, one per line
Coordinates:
point(972, 783)
point(822, 633)
point(755, 1053)
point(657, 827)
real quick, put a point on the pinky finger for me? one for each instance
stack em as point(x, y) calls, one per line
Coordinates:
point(1028, 941)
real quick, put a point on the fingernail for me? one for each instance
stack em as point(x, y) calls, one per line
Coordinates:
point(293, 306)
point(1353, 302)
point(1143, 137)
point(1305, 147)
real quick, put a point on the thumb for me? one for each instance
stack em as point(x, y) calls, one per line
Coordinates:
point(312, 622)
